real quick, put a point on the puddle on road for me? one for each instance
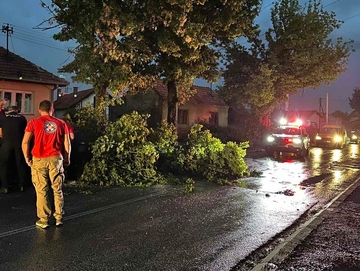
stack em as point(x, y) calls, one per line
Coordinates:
point(321, 174)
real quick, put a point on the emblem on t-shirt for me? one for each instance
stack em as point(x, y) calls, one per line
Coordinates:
point(50, 127)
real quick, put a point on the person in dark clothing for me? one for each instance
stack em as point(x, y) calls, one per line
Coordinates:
point(2, 107)
point(2, 113)
point(12, 129)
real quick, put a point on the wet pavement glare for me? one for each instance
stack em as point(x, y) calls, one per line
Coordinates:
point(211, 229)
point(316, 177)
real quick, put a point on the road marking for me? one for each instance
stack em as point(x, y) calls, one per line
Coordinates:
point(281, 251)
point(70, 217)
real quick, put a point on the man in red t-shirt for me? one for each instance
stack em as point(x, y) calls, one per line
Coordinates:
point(49, 155)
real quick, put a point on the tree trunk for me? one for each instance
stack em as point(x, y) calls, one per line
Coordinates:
point(100, 95)
point(172, 102)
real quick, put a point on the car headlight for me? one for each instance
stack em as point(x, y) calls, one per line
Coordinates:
point(271, 139)
point(318, 137)
point(337, 138)
point(297, 140)
point(354, 137)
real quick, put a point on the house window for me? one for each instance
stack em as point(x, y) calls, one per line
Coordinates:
point(23, 100)
point(214, 118)
point(183, 116)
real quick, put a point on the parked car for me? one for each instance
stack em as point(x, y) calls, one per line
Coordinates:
point(290, 139)
point(332, 135)
point(354, 136)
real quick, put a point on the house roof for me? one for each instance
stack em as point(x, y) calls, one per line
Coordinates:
point(353, 114)
point(204, 95)
point(69, 100)
point(15, 68)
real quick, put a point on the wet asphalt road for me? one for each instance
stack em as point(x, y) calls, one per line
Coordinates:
point(161, 228)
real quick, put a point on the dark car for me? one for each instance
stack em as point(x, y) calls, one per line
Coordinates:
point(289, 139)
point(354, 136)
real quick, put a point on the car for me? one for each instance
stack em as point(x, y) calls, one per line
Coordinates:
point(290, 138)
point(354, 136)
point(332, 135)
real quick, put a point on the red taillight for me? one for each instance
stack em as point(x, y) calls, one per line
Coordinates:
point(288, 140)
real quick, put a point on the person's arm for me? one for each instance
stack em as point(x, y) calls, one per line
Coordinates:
point(67, 150)
point(1, 135)
point(26, 147)
point(71, 131)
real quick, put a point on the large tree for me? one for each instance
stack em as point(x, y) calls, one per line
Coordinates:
point(130, 43)
point(297, 53)
point(354, 101)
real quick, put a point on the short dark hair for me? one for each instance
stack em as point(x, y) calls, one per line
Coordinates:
point(14, 108)
point(45, 106)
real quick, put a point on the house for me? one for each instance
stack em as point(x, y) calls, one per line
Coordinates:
point(354, 120)
point(309, 117)
point(354, 116)
point(65, 102)
point(204, 105)
point(24, 84)
point(76, 99)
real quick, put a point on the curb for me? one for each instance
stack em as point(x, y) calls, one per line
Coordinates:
point(282, 251)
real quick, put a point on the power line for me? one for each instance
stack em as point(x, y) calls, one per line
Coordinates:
point(39, 43)
point(351, 17)
point(40, 39)
point(332, 3)
point(44, 42)
point(338, 100)
point(27, 30)
point(26, 33)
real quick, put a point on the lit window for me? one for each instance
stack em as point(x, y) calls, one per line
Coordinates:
point(28, 106)
point(183, 116)
point(23, 100)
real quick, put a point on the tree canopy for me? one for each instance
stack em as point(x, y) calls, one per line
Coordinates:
point(354, 101)
point(297, 52)
point(129, 44)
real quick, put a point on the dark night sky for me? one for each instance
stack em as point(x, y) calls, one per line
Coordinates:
point(39, 47)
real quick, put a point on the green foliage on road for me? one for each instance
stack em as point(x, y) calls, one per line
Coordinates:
point(123, 155)
point(129, 153)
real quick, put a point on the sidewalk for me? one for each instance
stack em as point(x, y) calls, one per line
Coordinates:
point(331, 241)
point(334, 244)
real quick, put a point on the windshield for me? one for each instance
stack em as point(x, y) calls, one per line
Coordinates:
point(330, 130)
point(287, 131)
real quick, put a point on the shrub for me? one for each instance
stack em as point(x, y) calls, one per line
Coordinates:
point(123, 155)
point(91, 122)
point(204, 155)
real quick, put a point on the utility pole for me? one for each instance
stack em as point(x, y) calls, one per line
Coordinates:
point(327, 108)
point(321, 109)
point(8, 30)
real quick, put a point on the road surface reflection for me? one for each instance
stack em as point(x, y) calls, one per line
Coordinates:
point(323, 172)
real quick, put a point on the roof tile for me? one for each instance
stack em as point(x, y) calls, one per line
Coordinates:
point(204, 95)
point(69, 100)
point(14, 67)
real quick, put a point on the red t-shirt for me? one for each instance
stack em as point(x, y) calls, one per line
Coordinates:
point(49, 135)
point(71, 130)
